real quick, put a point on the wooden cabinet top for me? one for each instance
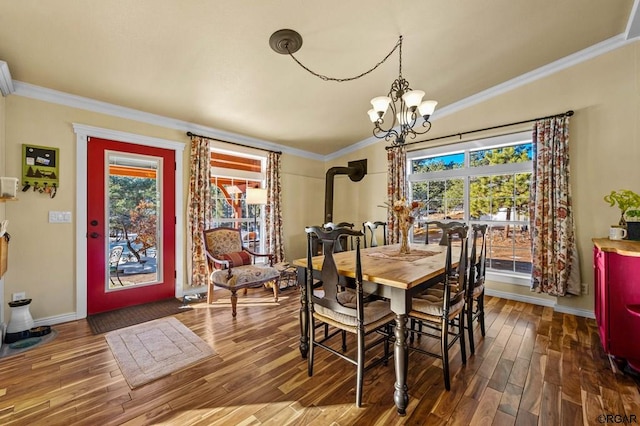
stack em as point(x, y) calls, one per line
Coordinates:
point(623, 247)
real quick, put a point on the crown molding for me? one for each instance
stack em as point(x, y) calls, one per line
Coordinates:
point(74, 101)
point(633, 24)
point(61, 98)
point(590, 52)
point(6, 83)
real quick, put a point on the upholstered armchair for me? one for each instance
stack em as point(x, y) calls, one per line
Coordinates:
point(232, 266)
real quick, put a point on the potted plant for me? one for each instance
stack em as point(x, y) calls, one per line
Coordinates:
point(625, 200)
point(633, 224)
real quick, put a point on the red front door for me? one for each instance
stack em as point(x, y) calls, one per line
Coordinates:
point(130, 224)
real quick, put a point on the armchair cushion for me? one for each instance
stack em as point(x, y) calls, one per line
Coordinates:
point(244, 276)
point(238, 258)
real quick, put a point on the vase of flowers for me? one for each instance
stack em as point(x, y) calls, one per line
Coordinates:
point(406, 216)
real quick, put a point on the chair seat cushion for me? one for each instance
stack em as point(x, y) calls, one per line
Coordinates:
point(373, 311)
point(244, 276)
point(238, 258)
point(432, 304)
point(478, 290)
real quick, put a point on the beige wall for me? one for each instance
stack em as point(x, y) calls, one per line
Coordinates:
point(42, 255)
point(604, 145)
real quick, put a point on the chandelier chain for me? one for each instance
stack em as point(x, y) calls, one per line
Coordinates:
point(341, 80)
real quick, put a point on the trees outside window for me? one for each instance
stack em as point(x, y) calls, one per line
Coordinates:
point(479, 182)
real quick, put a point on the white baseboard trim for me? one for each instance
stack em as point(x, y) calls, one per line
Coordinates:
point(574, 311)
point(57, 319)
point(542, 302)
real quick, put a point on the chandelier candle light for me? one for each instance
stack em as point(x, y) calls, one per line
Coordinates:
point(409, 113)
point(405, 105)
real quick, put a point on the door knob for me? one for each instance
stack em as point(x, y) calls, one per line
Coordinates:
point(94, 235)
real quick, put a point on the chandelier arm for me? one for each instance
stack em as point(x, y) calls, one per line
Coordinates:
point(341, 80)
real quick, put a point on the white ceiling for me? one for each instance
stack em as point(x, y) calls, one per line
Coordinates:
point(209, 62)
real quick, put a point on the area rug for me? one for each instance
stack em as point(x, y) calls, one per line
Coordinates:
point(9, 349)
point(125, 317)
point(154, 349)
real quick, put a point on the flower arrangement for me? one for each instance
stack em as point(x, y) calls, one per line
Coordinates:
point(406, 213)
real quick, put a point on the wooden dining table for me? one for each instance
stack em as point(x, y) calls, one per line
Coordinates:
point(389, 274)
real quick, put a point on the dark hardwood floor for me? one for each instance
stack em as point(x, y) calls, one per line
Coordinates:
point(535, 366)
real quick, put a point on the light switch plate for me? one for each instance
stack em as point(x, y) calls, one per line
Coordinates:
point(59, 217)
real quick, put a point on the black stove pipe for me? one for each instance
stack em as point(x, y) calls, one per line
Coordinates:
point(356, 170)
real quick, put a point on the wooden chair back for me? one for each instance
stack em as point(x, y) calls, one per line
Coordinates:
point(371, 228)
point(329, 276)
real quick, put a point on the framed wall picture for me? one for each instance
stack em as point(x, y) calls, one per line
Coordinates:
point(40, 167)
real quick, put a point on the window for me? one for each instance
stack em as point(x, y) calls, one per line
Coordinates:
point(483, 182)
point(232, 174)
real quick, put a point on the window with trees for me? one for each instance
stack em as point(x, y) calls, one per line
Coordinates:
point(232, 174)
point(484, 182)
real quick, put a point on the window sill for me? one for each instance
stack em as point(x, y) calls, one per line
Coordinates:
point(509, 278)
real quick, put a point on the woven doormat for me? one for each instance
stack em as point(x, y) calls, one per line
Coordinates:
point(149, 351)
point(125, 317)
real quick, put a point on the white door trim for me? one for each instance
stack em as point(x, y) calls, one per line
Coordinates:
point(82, 133)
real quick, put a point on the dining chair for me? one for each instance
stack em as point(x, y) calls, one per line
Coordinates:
point(475, 293)
point(441, 310)
point(371, 228)
point(343, 241)
point(347, 310)
point(442, 229)
point(232, 265)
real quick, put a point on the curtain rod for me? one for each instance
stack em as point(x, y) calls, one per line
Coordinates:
point(564, 114)
point(233, 143)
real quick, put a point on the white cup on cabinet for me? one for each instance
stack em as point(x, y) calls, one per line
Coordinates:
point(617, 233)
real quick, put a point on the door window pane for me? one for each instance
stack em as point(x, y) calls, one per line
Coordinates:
point(134, 250)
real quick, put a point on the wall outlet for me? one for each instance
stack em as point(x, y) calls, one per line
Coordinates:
point(584, 288)
point(18, 296)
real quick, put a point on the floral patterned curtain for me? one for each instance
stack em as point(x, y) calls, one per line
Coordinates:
point(396, 188)
point(556, 270)
point(200, 209)
point(273, 211)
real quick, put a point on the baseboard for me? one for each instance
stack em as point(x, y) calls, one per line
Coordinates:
point(575, 311)
point(539, 301)
point(57, 319)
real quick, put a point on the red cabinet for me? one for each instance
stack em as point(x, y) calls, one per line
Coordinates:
point(616, 266)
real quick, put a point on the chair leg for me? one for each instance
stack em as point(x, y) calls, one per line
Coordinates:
point(312, 333)
point(344, 341)
point(463, 346)
point(469, 314)
point(210, 294)
point(444, 341)
point(360, 375)
point(480, 302)
point(234, 302)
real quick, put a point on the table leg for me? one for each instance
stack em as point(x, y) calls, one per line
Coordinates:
point(401, 360)
point(304, 312)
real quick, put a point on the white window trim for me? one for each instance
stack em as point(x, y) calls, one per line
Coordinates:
point(507, 277)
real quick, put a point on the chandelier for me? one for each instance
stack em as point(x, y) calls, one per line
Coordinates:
point(409, 115)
